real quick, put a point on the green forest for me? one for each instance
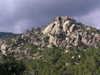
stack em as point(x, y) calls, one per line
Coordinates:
point(54, 62)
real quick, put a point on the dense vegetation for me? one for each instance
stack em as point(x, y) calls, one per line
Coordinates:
point(56, 62)
point(11, 66)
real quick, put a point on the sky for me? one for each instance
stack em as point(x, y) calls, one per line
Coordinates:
point(17, 16)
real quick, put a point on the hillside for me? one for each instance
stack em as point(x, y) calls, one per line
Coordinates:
point(64, 47)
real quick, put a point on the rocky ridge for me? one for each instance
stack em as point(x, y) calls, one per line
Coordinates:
point(61, 32)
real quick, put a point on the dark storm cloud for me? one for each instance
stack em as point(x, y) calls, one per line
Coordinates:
point(19, 15)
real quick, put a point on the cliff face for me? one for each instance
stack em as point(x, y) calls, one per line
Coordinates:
point(62, 32)
point(67, 31)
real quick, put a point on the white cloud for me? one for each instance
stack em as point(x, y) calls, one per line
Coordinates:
point(21, 26)
point(91, 19)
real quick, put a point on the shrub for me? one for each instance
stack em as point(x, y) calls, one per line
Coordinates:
point(9, 42)
point(10, 66)
point(46, 38)
point(34, 48)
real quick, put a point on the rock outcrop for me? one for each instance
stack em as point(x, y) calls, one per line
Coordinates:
point(63, 31)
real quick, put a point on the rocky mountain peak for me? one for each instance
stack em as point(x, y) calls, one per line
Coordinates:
point(66, 30)
point(61, 24)
point(63, 19)
point(62, 32)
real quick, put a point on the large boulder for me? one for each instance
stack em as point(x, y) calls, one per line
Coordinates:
point(66, 25)
point(4, 47)
point(72, 28)
point(48, 28)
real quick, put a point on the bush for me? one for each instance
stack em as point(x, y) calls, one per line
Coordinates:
point(34, 48)
point(9, 42)
point(10, 66)
point(46, 38)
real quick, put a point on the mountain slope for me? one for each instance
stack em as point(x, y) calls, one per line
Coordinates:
point(58, 48)
point(62, 32)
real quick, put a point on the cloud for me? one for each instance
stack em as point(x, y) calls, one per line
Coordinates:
point(91, 19)
point(19, 15)
point(21, 26)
